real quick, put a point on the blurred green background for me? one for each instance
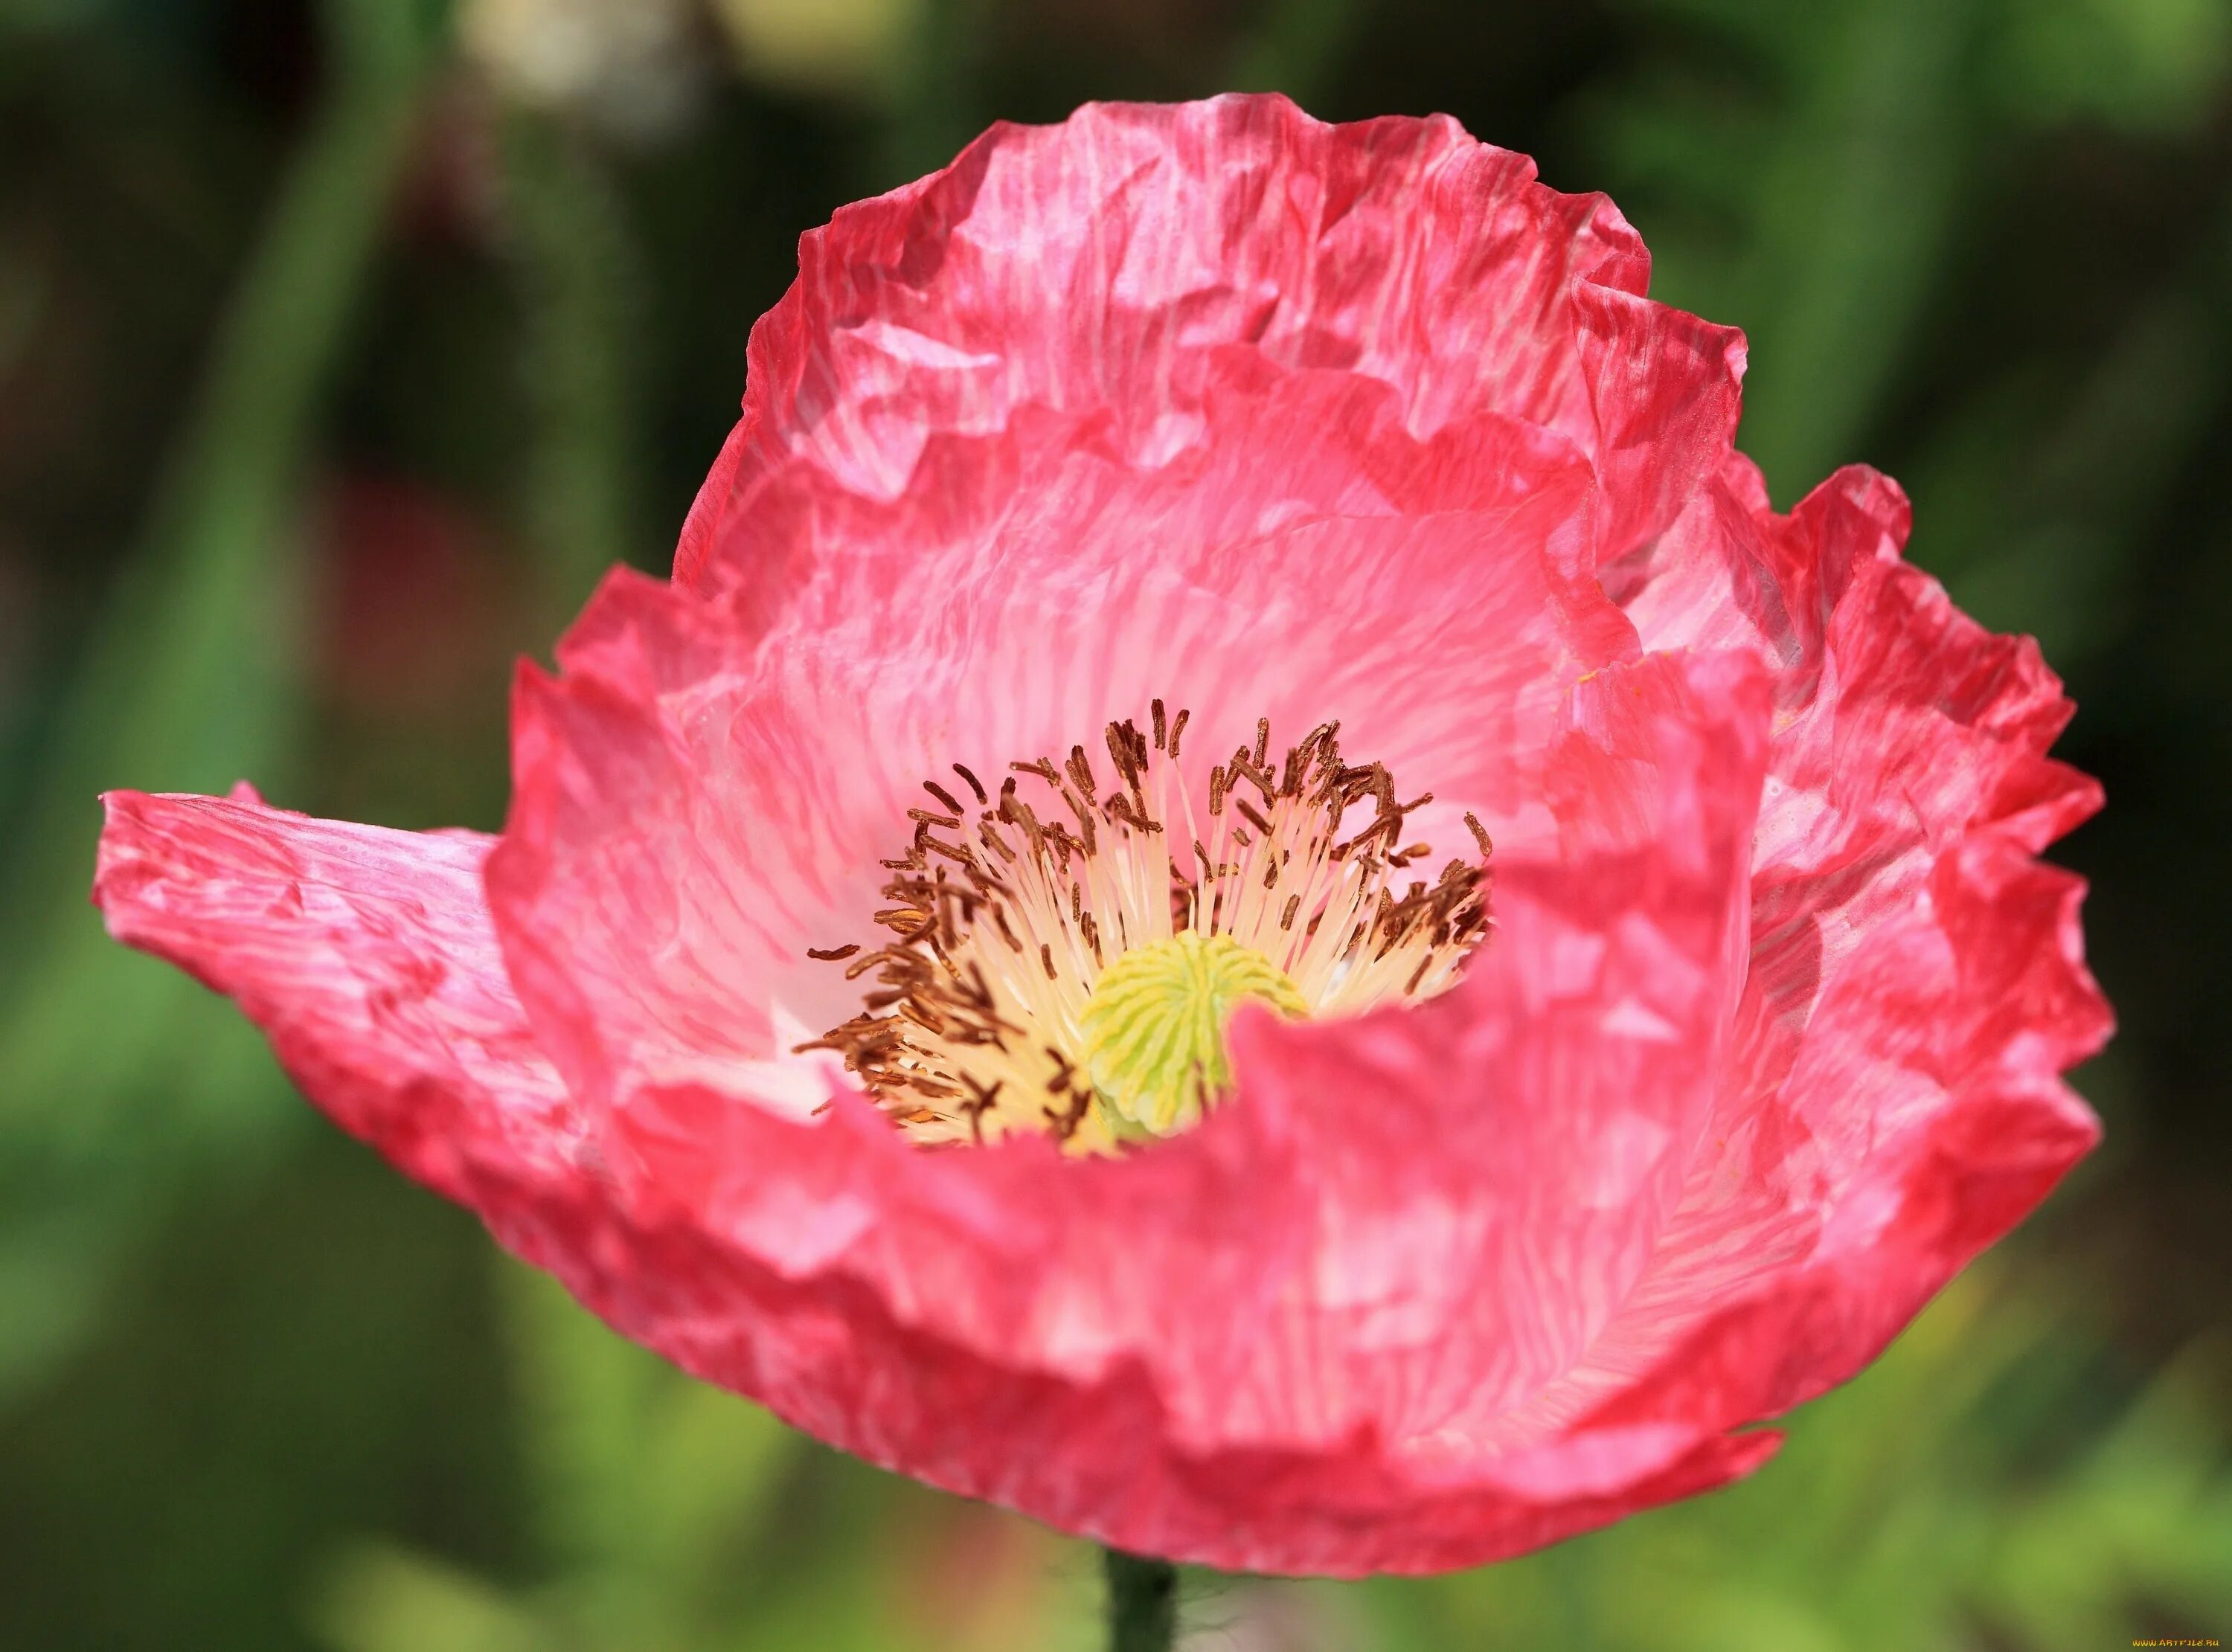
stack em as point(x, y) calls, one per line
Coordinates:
point(342, 344)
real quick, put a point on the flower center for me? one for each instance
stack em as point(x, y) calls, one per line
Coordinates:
point(1064, 957)
point(1154, 1027)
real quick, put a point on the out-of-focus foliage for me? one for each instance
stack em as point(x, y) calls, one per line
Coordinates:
point(184, 677)
point(343, 344)
point(1956, 1495)
point(836, 45)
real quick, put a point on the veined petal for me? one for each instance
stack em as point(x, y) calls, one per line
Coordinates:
point(365, 955)
point(1119, 270)
point(1295, 1278)
point(696, 807)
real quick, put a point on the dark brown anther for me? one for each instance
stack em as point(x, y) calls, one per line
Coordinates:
point(1079, 806)
point(1080, 1098)
point(1385, 827)
point(833, 954)
point(922, 1014)
point(983, 1098)
point(1020, 813)
point(1132, 813)
point(1244, 767)
point(1119, 750)
point(930, 996)
point(952, 851)
point(1081, 772)
point(1480, 835)
point(989, 836)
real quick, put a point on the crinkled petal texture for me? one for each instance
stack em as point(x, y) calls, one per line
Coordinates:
point(1263, 417)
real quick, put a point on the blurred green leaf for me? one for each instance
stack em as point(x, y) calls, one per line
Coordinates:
point(935, 106)
point(651, 1483)
point(1893, 1520)
point(2149, 66)
point(113, 1062)
point(843, 46)
point(2034, 498)
point(2145, 1519)
point(1296, 47)
point(582, 291)
point(374, 1598)
point(1830, 195)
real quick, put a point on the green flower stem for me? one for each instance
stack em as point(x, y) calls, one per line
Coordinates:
point(1143, 1603)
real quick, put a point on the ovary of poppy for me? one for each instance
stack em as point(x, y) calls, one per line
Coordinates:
point(1755, 1042)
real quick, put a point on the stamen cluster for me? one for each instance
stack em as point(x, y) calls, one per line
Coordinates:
point(1006, 912)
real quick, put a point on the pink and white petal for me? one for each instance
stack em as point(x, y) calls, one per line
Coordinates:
point(1983, 1130)
point(1558, 1092)
point(1279, 1281)
point(694, 807)
point(1917, 986)
point(1112, 268)
point(1093, 1455)
point(365, 956)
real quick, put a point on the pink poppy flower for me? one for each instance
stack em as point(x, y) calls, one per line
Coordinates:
point(1400, 957)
